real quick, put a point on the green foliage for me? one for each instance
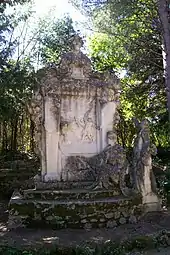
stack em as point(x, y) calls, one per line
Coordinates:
point(129, 38)
point(53, 38)
point(107, 53)
point(5, 4)
point(16, 78)
point(18, 56)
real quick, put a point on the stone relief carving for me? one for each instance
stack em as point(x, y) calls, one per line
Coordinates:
point(89, 123)
point(84, 126)
point(75, 63)
point(142, 161)
point(111, 166)
point(79, 166)
point(107, 170)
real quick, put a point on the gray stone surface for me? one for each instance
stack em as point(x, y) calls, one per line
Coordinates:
point(111, 224)
point(122, 220)
point(132, 219)
point(74, 111)
point(144, 179)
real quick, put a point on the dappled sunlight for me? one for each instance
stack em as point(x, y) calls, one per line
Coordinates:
point(50, 239)
point(3, 227)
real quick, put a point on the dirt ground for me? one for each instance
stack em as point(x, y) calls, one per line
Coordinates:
point(163, 251)
point(150, 224)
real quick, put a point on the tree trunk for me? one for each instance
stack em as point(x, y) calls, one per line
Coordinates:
point(5, 137)
point(22, 131)
point(32, 135)
point(164, 14)
point(14, 147)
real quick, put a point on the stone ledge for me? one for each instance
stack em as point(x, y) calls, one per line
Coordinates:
point(74, 201)
point(85, 213)
point(69, 194)
point(57, 185)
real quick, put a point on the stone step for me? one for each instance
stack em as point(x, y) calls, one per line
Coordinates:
point(60, 185)
point(93, 213)
point(67, 194)
point(115, 200)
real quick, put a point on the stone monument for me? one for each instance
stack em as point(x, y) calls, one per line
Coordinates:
point(83, 170)
point(144, 179)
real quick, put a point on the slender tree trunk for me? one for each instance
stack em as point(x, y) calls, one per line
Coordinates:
point(32, 135)
point(1, 135)
point(164, 14)
point(12, 134)
point(5, 136)
point(15, 134)
point(22, 131)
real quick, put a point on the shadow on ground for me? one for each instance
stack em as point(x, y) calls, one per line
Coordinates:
point(149, 225)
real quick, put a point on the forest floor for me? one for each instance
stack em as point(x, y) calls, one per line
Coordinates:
point(149, 225)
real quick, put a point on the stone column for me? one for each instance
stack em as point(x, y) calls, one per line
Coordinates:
point(52, 139)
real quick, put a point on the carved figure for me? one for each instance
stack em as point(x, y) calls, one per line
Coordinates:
point(76, 43)
point(108, 169)
point(111, 168)
point(142, 161)
point(75, 62)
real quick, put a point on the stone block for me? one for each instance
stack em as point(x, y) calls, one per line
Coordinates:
point(109, 215)
point(132, 219)
point(111, 224)
point(122, 221)
point(117, 215)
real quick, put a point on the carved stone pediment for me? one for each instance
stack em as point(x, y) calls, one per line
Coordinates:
point(75, 64)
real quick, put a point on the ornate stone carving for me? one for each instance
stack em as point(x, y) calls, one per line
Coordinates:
point(111, 167)
point(107, 169)
point(79, 166)
point(112, 137)
point(75, 64)
point(76, 43)
point(142, 161)
point(110, 77)
point(76, 102)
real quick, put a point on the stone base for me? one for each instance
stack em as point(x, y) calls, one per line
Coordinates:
point(151, 203)
point(72, 209)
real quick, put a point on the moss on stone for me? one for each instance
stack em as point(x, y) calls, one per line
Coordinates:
point(25, 209)
point(78, 213)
